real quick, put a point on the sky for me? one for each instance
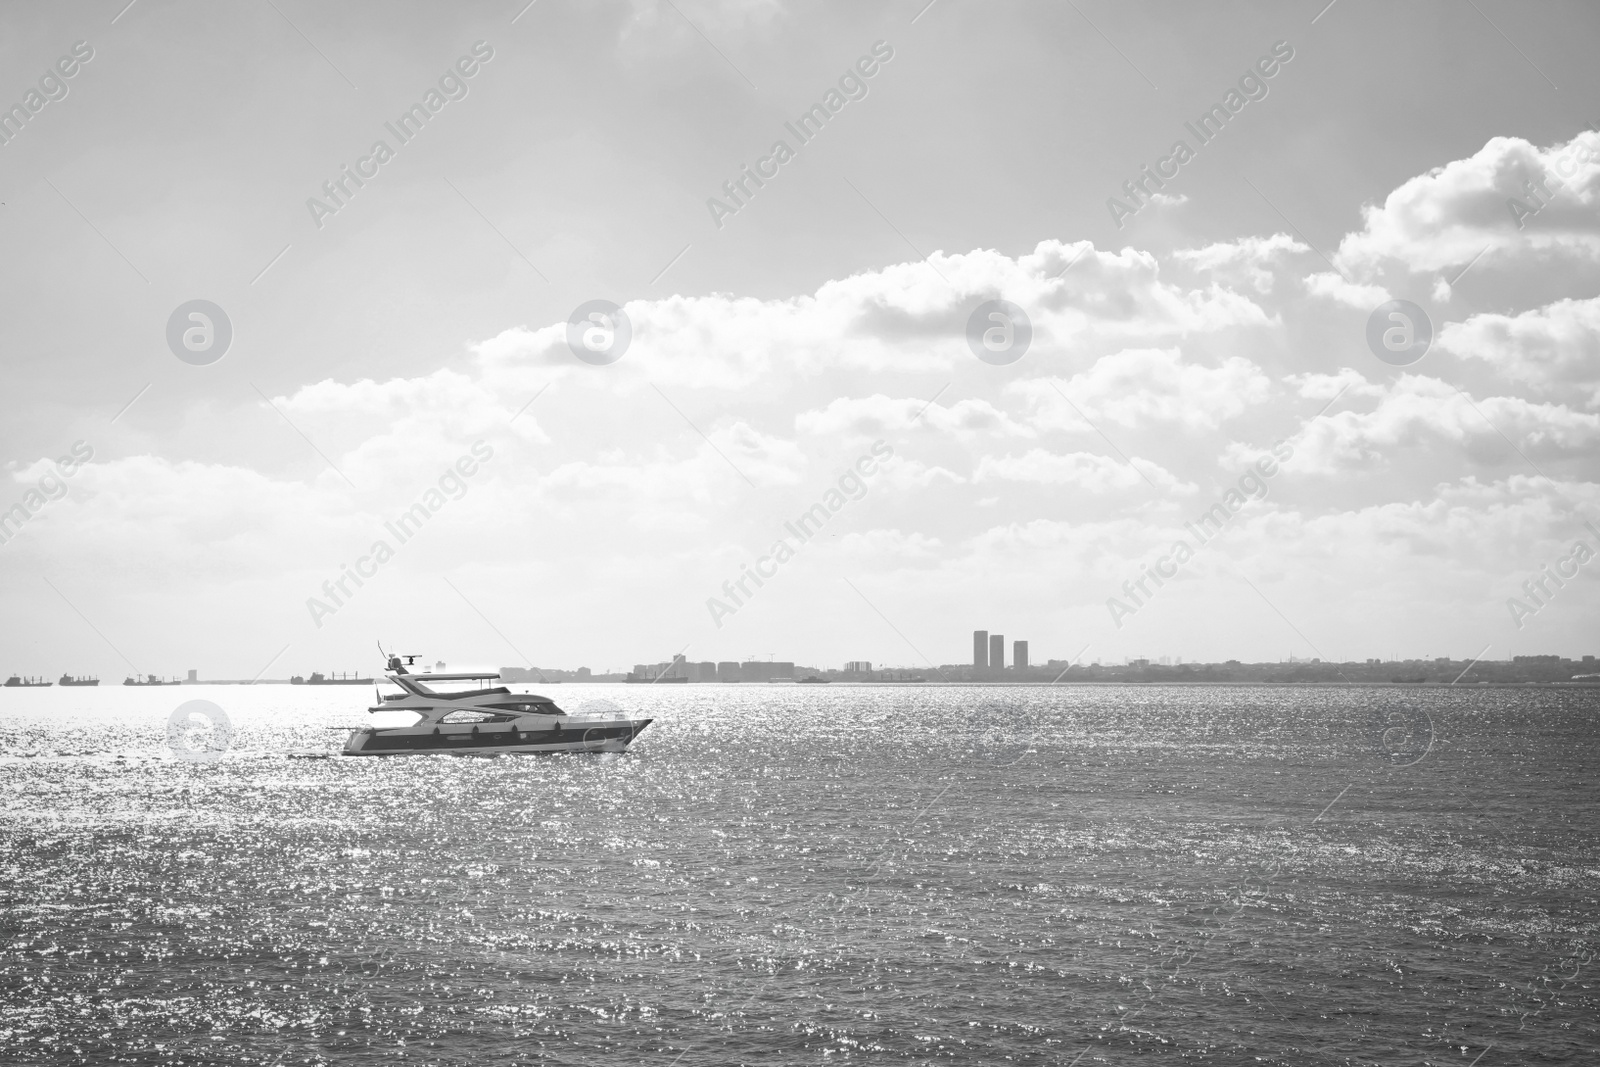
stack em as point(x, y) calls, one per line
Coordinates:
point(802, 343)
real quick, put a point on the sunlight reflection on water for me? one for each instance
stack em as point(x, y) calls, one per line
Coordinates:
point(970, 874)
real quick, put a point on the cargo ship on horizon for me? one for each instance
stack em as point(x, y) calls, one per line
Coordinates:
point(317, 678)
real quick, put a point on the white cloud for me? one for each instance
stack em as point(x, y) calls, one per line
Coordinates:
point(1145, 386)
point(1419, 413)
point(1449, 215)
point(1081, 470)
point(1253, 260)
point(866, 418)
point(1548, 347)
point(1333, 287)
point(899, 472)
point(763, 458)
point(1348, 382)
point(889, 546)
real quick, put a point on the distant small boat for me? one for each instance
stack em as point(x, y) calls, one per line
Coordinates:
point(813, 680)
point(150, 679)
point(67, 679)
point(321, 679)
point(14, 682)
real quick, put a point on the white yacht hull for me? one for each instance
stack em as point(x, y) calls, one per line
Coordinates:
point(569, 736)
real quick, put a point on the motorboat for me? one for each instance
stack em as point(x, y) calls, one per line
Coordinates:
point(482, 721)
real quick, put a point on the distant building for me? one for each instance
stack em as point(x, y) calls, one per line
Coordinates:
point(705, 671)
point(757, 670)
point(980, 649)
point(859, 666)
point(584, 674)
point(194, 676)
point(727, 671)
point(678, 668)
point(997, 652)
point(1019, 655)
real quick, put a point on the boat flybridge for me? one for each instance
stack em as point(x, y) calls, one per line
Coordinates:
point(483, 721)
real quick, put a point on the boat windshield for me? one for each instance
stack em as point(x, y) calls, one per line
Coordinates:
point(417, 684)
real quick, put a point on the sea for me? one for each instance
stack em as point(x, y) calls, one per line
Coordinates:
point(822, 874)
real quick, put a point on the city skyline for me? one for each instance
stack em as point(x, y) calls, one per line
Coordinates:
point(772, 668)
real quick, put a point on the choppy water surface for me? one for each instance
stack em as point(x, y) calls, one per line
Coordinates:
point(813, 874)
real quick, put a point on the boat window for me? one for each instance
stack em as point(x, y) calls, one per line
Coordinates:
point(537, 707)
point(463, 715)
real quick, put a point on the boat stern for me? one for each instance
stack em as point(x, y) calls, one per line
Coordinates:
point(356, 742)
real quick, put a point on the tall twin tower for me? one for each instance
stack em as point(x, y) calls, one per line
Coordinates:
point(989, 652)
